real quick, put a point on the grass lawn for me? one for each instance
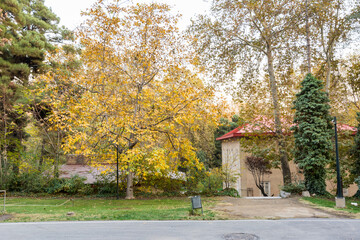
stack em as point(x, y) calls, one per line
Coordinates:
point(330, 203)
point(56, 209)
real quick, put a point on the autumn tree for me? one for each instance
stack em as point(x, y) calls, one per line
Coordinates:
point(259, 167)
point(351, 69)
point(313, 132)
point(244, 31)
point(331, 27)
point(331, 23)
point(134, 94)
point(203, 139)
point(66, 62)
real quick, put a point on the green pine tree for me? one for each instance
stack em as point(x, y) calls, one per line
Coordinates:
point(313, 132)
point(29, 24)
point(31, 29)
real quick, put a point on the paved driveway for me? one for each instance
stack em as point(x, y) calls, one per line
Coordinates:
point(242, 208)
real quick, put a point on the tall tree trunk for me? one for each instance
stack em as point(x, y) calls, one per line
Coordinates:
point(328, 70)
point(130, 182)
point(4, 142)
point(42, 154)
point(279, 134)
point(56, 165)
point(262, 190)
point(130, 185)
point(18, 147)
point(131, 144)
point(308, 37)
point(57, 155)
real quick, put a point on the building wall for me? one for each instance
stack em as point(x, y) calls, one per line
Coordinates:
point(234, 157)
point(231, 155)
point(348, 192)
point(275, 180)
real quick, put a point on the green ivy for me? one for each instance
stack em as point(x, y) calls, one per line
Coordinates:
point(313, 133)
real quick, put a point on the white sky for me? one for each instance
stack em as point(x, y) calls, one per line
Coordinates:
point(69, 10)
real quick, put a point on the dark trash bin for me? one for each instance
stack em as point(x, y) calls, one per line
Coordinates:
point(196, 203)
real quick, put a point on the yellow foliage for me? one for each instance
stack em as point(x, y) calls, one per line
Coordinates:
point(136, 91)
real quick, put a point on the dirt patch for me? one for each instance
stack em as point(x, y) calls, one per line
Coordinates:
point(242, 208)
point(5, 217)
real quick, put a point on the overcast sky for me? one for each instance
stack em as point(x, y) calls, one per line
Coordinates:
point(69, 10)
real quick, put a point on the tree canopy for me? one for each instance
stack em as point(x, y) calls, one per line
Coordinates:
point(27, 30)
point(244, 34)
point(135, 92)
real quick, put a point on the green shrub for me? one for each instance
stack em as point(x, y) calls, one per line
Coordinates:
point(74, 184)
point(169, 185)
point(33, 182)
point(55, 185)
point(86, 190)
point(213, 182)
point(357, 181)
point(294, 188)
point(105, 184)
point(161, 184)
point(232, 192)
point(197, 181)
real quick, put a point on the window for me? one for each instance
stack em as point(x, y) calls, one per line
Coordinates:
point(250, 192)
point(266, 186)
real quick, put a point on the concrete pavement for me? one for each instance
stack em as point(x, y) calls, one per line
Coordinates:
point(316, 229)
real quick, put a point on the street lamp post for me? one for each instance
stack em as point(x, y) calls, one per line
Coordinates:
point(117, 172)
point(340, 200)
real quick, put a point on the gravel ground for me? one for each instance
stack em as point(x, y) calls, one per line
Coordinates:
point(242, 208)
point(4, 217)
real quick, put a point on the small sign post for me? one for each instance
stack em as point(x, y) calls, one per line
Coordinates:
point(196, 203)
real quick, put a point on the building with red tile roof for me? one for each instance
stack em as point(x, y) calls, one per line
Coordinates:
point(234, 155)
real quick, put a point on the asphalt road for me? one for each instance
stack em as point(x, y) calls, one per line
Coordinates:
point(344, 229)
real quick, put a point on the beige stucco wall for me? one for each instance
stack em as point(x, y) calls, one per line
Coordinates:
point(348, 192)
point(234, 157)
point(275, 179)
point(230, 161)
